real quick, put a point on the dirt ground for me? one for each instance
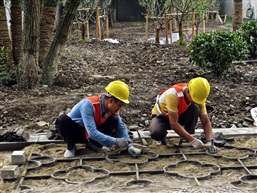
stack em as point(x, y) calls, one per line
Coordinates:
point(85, 69)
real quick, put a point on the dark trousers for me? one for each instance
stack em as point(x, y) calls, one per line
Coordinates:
point(160, 124)
point(73, 133)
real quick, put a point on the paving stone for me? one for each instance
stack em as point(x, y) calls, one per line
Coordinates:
point(24, 134)
point(249, 119)
point(10, 172)
point(18, 157)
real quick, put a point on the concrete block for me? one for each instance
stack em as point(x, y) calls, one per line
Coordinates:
point(18, 158)
point(23, 134)
point(10, 172)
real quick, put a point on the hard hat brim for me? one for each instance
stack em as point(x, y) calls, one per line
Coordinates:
point(200, 102)
point(125, 101)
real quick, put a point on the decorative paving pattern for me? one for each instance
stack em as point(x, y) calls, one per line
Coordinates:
point(76, 174)
point(192, 169)
point(183, 163)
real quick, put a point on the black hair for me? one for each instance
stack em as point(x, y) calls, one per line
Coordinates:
point(108, 96)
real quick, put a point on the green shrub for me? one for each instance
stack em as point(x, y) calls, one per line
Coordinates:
point(248, 31)
point(216, 50)
point(7, 71)
point(229, 20)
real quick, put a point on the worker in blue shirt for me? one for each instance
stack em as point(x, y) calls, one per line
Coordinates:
point(96, 122)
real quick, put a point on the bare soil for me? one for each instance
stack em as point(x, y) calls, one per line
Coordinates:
point(85, 69)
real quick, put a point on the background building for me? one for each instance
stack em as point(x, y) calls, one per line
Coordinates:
point(249, 8)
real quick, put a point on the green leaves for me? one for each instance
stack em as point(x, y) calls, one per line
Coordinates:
point(7, 71)
point(248, 31)
point(216, 50)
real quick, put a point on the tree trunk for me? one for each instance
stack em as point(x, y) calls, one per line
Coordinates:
point(237, 14)
point(157, 35)
point(47, 25)
point(59, 13)
point(180, 32)
point(28, 68)
point(52, 58)
point(16, 30)
point(197, 30)
point(111, 17)
point(4, 34)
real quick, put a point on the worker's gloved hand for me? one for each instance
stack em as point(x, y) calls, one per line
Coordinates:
point(123, 142)
point(196, 143)
point(212, 149)
point(135, 152)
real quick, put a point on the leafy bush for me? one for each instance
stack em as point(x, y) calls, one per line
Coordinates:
point(248, 31)
point(7, 71)
point(216, 50)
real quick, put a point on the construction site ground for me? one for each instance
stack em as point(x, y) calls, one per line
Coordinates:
point(86, 67)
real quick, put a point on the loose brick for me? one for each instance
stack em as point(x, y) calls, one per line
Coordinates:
point(10, 172)
point(18, 158)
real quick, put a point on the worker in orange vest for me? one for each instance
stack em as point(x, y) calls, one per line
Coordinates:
point(178, 108)
point(96, 122)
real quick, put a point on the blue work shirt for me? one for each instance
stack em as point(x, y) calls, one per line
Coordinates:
point(83, 114)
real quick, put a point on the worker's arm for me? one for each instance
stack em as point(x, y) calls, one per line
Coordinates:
point(172, 108)
point(206, 123)
point(121, 130)
point(87, 114)
point(174, 124)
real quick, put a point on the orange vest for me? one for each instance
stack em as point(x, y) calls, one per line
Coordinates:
point(95, 100)
point(182, 105)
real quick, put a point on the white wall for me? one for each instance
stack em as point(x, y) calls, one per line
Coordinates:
point(227, 7)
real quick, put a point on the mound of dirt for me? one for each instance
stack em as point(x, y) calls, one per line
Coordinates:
point(87, 67)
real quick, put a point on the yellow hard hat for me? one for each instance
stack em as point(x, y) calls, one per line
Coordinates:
point(199, 89)
point(119, 90)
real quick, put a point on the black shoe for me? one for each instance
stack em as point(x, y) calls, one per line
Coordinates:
point(164, 141)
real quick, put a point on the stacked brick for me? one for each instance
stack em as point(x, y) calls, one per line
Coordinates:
point(11, 172)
